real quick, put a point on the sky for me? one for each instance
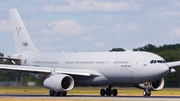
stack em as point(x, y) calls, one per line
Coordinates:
point(92, 25)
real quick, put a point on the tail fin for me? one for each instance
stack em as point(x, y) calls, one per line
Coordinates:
point(21, 37)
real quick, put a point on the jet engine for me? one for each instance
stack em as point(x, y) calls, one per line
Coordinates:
point(59, 82)
point(156, 85)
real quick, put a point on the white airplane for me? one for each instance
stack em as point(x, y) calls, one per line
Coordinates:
point(61, 71)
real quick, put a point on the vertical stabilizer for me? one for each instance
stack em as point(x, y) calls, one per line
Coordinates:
point(21, 37)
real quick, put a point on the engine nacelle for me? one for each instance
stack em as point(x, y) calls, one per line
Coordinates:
point(157, 85)
point(59, 82)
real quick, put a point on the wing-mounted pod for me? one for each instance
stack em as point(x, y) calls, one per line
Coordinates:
point(156, 85)
point(59, 82)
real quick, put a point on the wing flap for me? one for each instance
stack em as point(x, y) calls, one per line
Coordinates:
point(74, 72)
point(17, 60)
point(82, 72)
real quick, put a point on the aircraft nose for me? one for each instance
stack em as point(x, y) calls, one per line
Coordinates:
point(163, 70)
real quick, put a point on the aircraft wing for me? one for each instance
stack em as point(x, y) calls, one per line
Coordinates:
point(173, 64)
point(82, 72)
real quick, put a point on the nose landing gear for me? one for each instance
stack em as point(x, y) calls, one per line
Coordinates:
point(147, 91)
point(108, 91)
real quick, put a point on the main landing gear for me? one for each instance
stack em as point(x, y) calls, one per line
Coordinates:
point(147, 91)
point(108, 91)
point(54, 93)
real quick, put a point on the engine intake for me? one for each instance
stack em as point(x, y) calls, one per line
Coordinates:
point(156, 85)
point(60, 82)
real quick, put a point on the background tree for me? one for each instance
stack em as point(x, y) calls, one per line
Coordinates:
point(117, 49)
point(1, 60)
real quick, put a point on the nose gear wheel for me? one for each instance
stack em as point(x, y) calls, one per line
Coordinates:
point(147, 91)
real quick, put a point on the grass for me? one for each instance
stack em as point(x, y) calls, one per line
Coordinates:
point(23, 90)
point(89, 91)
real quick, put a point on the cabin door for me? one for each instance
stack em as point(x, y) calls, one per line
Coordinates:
point(111, 62)
point(61, 63)
point(31, 61)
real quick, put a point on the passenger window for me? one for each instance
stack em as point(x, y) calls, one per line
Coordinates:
point(152, 61)
point(164, 61)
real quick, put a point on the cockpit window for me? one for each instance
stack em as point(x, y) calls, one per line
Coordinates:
point(152, 61)
point(158, 61)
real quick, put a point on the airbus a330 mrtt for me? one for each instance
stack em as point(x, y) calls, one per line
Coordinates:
point(61, 71)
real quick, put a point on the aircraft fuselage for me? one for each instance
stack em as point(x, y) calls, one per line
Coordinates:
point(112, 67)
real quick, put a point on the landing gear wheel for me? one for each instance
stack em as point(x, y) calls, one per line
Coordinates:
point(147, 92)
point(51, 93)
point(108, 92)
point(102, 92)
point(57, 94)
point(114, 92)
point(64, 93)
point(144, 93)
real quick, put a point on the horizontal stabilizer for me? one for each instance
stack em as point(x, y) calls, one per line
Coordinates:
point(10, 58)
point(17, 60)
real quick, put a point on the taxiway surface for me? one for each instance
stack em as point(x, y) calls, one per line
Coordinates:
point(93, 97)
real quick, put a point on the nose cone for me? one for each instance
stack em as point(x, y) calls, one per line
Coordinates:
point(162, 70)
